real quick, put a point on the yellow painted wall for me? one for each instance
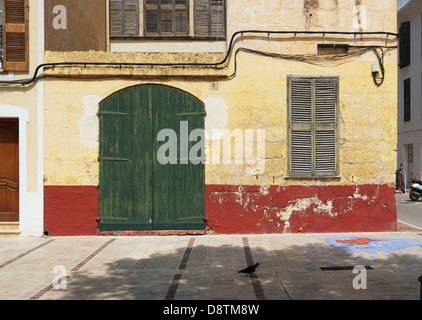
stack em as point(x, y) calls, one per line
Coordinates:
point(255, 98)
point(27, 97)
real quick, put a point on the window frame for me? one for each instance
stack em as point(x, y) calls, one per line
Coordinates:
point(160, 7)
point(15, 31)
point(313, 126)
point(210, 35)
point(192, 22)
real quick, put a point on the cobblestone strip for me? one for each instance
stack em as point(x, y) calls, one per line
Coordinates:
point(76, 268)
point(171, 292)
point(259, 291)
point(24, 254)
point(92, 255)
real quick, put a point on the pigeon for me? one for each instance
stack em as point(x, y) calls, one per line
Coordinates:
point(249, 270)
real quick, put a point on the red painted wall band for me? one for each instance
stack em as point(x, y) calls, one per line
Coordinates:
point(307, 209)
point(73, 210)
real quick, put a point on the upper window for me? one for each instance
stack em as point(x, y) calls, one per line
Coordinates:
point(14, 30)
point(168, 18)
point(407, 98)
point(313, 114)
point(404, 44)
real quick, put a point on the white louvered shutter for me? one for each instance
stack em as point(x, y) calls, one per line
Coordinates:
point(301, 126)
point(325, 126)
point(313, 126)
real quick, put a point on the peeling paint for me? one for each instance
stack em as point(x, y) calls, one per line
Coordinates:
point(292, 209)
point(304, 204)
point(217, 117)
point(88, 124)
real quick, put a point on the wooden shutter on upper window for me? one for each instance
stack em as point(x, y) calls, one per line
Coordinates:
point(210, 18)
point(124, 18)
point(151, 17)
point(181, 18)
point(166, 17)
point(218, 19)
point(15, 35)
point(131, 11)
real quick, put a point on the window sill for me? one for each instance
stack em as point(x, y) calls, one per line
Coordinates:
point(6, 75)
point(169, 38)
point(325, 177)
point(166, 46)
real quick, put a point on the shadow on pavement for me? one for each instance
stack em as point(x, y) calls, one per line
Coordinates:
point(286, 272)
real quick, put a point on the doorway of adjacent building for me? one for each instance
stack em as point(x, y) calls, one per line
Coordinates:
point(138, 191)
point(9, 170)
point(409, 162)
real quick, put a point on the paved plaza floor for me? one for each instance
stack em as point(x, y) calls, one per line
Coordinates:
point(338, 266)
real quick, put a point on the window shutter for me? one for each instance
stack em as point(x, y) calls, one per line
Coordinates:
point(210, 18)
point(313, 126)
point(181, 18)
point(301, 126)
point(325, 126)
point(202, 18)
point(116, 18)
point(131, 22)
point(218, 19)
point(15, 35)
point(167, 17)
point(124, 18)
point(301, 152)
point(407, 100)
point(404, 44)
point(151, 17)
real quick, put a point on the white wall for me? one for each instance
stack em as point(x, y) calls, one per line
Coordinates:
point(410, 132)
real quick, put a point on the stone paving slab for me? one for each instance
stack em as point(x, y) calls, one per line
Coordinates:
point(206, 267)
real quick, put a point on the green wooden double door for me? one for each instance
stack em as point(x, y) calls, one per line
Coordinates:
point(151, 160)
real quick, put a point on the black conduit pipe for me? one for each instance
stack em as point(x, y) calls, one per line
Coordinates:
point(26, 82)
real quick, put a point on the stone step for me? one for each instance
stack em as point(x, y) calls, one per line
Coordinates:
point(9, 229)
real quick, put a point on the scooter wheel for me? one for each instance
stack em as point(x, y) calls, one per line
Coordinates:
point(414, 196)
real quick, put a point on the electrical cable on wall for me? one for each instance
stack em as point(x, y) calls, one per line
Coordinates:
point(313, 59)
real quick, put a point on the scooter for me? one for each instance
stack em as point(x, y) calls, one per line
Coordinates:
point(415, 190)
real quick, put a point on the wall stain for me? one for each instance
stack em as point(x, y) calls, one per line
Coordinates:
point(308, 9)
point(358, 3)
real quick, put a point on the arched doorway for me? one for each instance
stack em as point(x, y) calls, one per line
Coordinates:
point(151, 150)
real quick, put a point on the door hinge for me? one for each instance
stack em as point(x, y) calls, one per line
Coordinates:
point(112, 159)
point(112, 113)
point(188, 114)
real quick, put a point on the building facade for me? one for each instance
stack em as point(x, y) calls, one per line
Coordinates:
point(409, 147)
point(225, 116)
point(21, 118)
